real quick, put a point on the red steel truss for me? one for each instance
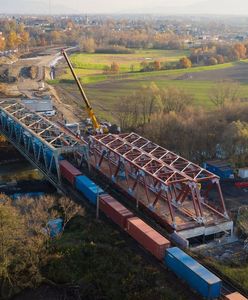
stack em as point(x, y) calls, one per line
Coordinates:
point(164, 177)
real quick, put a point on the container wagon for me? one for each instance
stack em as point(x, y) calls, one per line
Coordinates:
point(118, 213)
point(234, 296)
point(242, 184)
point(198, 277)
point(68, 171)
point(149, 238)
point(88, 188)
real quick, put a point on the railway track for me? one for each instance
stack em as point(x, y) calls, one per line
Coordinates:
point(133, 244)
point(228, 286)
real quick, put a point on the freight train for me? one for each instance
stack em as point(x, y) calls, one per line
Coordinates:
point(200, 279)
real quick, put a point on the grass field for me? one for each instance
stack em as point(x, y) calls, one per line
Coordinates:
point(96, 75)
point(238, 274)
point(97, 62)
point(105, 91)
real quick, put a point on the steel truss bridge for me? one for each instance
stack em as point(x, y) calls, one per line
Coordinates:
point(160, 180)
point(39, 140)
point(167, 183)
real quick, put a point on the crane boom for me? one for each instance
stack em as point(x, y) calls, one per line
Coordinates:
point(91, 113)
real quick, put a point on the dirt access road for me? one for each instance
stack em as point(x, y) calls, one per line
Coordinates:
point(32, 87)
point(42, 60)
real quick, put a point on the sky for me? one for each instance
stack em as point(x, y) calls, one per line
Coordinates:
point(125, 6)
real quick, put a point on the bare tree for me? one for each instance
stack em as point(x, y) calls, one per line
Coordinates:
point(19, 251)
point(38, 212)
point(136, 110)
point(224, 92)
point(149, 98)
point(128, 113)
point(88, 45)
point(174, 99)
point(69, 209)
point(25, 240)
point(235, 143)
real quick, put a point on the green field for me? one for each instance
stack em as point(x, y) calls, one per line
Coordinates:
point(95, 62)
point(89, 67)
point(96, 75)
point(104, 91)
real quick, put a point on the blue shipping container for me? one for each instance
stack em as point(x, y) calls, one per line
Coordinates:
point(223, 171)
point(198, 277)
point(88, 188)
point(29, 195)
point(55, 227)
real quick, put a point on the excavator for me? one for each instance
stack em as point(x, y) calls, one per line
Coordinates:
point(95, 127)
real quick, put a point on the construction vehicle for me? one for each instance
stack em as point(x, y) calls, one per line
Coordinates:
point(92, 126)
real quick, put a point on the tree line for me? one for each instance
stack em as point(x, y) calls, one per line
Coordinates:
point(205, 56)
point(67, 32)
point(168, 117)
point(218, 54)
point(14, 37)
point(105, 38)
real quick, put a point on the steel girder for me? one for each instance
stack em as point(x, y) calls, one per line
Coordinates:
point(38, 139)
point(54, 136)
point(162, 173)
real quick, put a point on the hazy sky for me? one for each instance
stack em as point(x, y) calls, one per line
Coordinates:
point(125, 6)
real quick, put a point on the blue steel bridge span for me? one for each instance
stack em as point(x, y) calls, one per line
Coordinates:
point(39, 140)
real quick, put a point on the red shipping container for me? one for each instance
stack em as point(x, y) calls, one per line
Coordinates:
point(68, 171)
point(235, 296)
point(115, 210)
point(242, 184)
point(149, 238)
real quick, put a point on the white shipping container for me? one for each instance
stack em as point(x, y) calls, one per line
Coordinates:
point(243, 173)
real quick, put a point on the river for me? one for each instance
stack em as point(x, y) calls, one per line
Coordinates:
point(20, 170)
point(17, 175)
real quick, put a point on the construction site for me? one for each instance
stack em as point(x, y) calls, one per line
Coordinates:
point(171, 189)
point(181, 196)
point(184, 200)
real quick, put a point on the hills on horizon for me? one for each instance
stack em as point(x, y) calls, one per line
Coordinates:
point(208, 7)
